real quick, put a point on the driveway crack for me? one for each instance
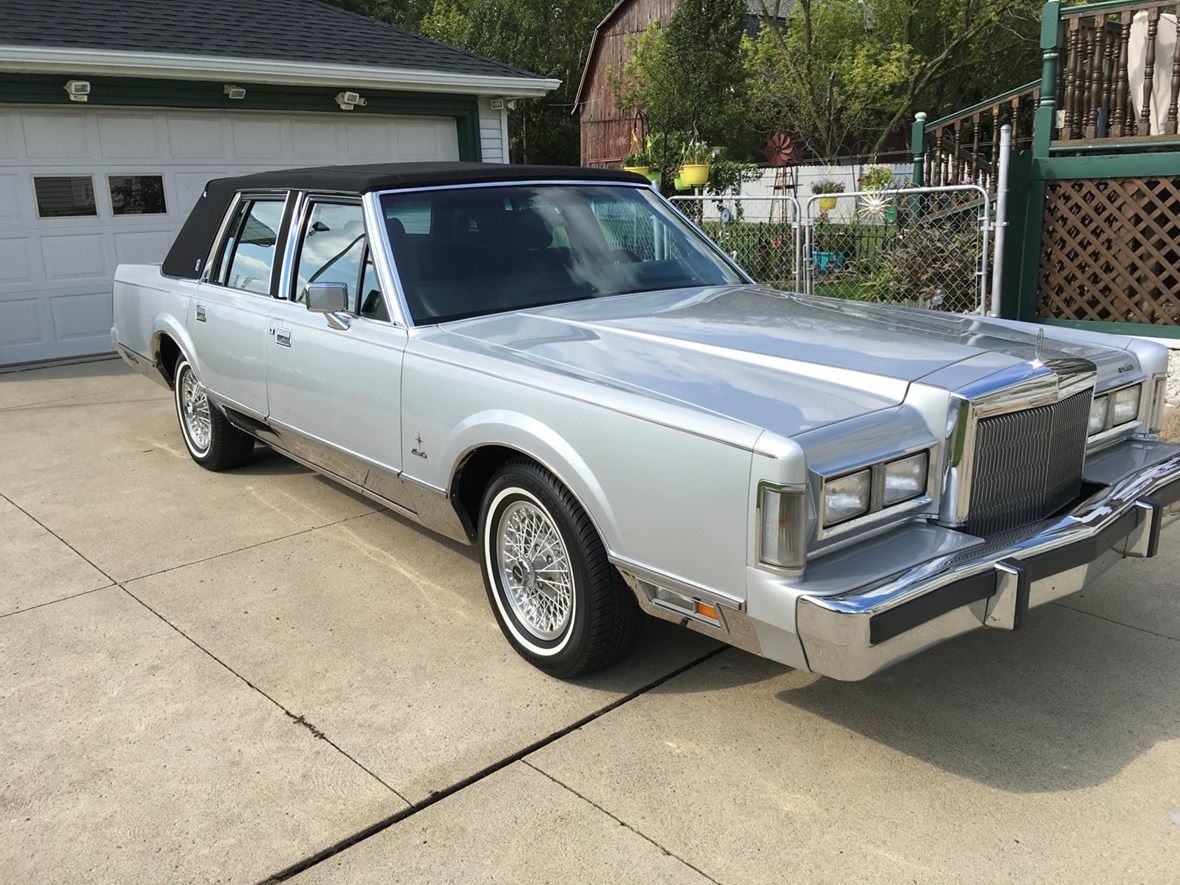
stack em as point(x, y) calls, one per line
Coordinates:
point(517, 756)
point(621, 822)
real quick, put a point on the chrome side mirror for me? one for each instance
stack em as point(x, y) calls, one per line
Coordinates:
point(326, 297)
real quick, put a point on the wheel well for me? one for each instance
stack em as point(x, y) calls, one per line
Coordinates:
point(167, 354)
point(473, 477)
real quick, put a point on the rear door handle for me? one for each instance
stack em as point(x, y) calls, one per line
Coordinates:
point(200, 313)
point(283, 337)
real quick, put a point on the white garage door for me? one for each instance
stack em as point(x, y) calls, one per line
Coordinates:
point(83, 189)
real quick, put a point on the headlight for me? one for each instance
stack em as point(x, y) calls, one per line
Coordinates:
point(1124, 405)
point(847, 497)
point(1097, 415)
point(783, 511)
point(905, 478)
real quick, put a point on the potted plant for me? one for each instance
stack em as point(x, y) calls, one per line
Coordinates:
point(876, 178)
point(877, 203)
point(827, 186)
point(694, 165)
point(638, 160)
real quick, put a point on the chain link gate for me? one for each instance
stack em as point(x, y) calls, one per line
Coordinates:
point(762, 234)
point(919, 247)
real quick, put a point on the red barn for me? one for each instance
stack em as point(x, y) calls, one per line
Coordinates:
point(606, 130)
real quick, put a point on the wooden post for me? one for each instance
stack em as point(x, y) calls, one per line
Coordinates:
point(1174, 104)
point(1047, 108)
point(918, 146)
point(1153, 24)
point(1119, 125)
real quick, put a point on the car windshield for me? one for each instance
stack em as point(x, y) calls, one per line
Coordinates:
point(464, 252)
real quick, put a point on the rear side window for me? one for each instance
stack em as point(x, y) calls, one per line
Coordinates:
point(249, 254)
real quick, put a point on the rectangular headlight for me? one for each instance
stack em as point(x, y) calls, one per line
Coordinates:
point(847, 497)
point(1097, 415)
point(783, 512)
point(1124, 405)
point(905, 478)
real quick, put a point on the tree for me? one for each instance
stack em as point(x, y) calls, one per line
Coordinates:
point(687, 76)
point(844, 75)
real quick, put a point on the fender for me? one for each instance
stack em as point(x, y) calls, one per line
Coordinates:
point(531, 437)
point(167, 324)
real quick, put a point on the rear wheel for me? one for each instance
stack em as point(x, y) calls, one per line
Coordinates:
point(558, 601)
point(212, 441)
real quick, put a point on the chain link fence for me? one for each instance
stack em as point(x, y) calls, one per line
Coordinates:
point(762, 234)
point(920, 247)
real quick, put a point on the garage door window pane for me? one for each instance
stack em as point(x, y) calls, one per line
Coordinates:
point(137, 194)
point(62, 196)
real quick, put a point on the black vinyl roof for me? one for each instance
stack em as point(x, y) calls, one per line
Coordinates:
point(185, 258)
point(368, 177)
point(282, 30)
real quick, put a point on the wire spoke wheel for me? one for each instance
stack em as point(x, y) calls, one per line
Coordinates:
point(535, 570)
point(194, 411)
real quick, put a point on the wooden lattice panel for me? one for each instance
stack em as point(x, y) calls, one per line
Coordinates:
point(1110, 250)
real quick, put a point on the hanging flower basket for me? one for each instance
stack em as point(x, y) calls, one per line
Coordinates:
point(695, 174)
point(638, 170)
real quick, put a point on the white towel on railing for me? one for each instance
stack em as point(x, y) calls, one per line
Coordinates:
point(1161, 84)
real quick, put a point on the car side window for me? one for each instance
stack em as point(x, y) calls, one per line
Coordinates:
point(372, 300)
point(249, 253)
point(332, 251)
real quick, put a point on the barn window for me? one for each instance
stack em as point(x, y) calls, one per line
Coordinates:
point(62, 196)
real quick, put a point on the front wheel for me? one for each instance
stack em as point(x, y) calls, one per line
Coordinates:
point(212, 441)
point(558, 601)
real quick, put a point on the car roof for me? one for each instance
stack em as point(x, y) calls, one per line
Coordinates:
point(362, 179)
point(186, 257)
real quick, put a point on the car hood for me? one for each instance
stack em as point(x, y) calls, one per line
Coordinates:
point(788, 363)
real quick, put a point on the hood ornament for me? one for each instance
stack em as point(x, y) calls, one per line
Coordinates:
point(1039, 348)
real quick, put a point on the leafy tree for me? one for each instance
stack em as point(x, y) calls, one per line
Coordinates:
point(847, 74)
point(687, 76)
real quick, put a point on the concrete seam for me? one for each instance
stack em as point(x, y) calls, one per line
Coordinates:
point(620, 821)
point(1082, 611)
point(33, 608)
point(373, 829)
point(314, 528)
point(298, 719)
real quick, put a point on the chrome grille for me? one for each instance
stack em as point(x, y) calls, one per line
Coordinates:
point(1027, 464)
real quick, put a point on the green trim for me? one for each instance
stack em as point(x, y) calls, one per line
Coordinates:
point(1146, 164)
point(986, 103)
point(1103, 6)
point(1114, 146)
point(1146, 329)
point(1016, 238)
point(1030, 245)
point(197, 94)
point(918, 150)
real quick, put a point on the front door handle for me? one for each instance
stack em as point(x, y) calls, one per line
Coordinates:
point(200, 313)
point(283, 337)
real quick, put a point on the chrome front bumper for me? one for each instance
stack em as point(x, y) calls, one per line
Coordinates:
point(991, 584)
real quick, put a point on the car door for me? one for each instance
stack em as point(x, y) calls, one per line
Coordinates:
point(230, 313)
point(334, 380)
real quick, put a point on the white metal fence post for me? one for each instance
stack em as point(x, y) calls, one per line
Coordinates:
point(1001, 218)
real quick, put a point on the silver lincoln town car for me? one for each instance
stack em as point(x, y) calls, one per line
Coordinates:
point(554, 365)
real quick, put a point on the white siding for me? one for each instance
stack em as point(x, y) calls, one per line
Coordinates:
point(491, 136)
point(55, 273)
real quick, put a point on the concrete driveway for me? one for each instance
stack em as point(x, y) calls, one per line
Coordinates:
point(231, 677)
